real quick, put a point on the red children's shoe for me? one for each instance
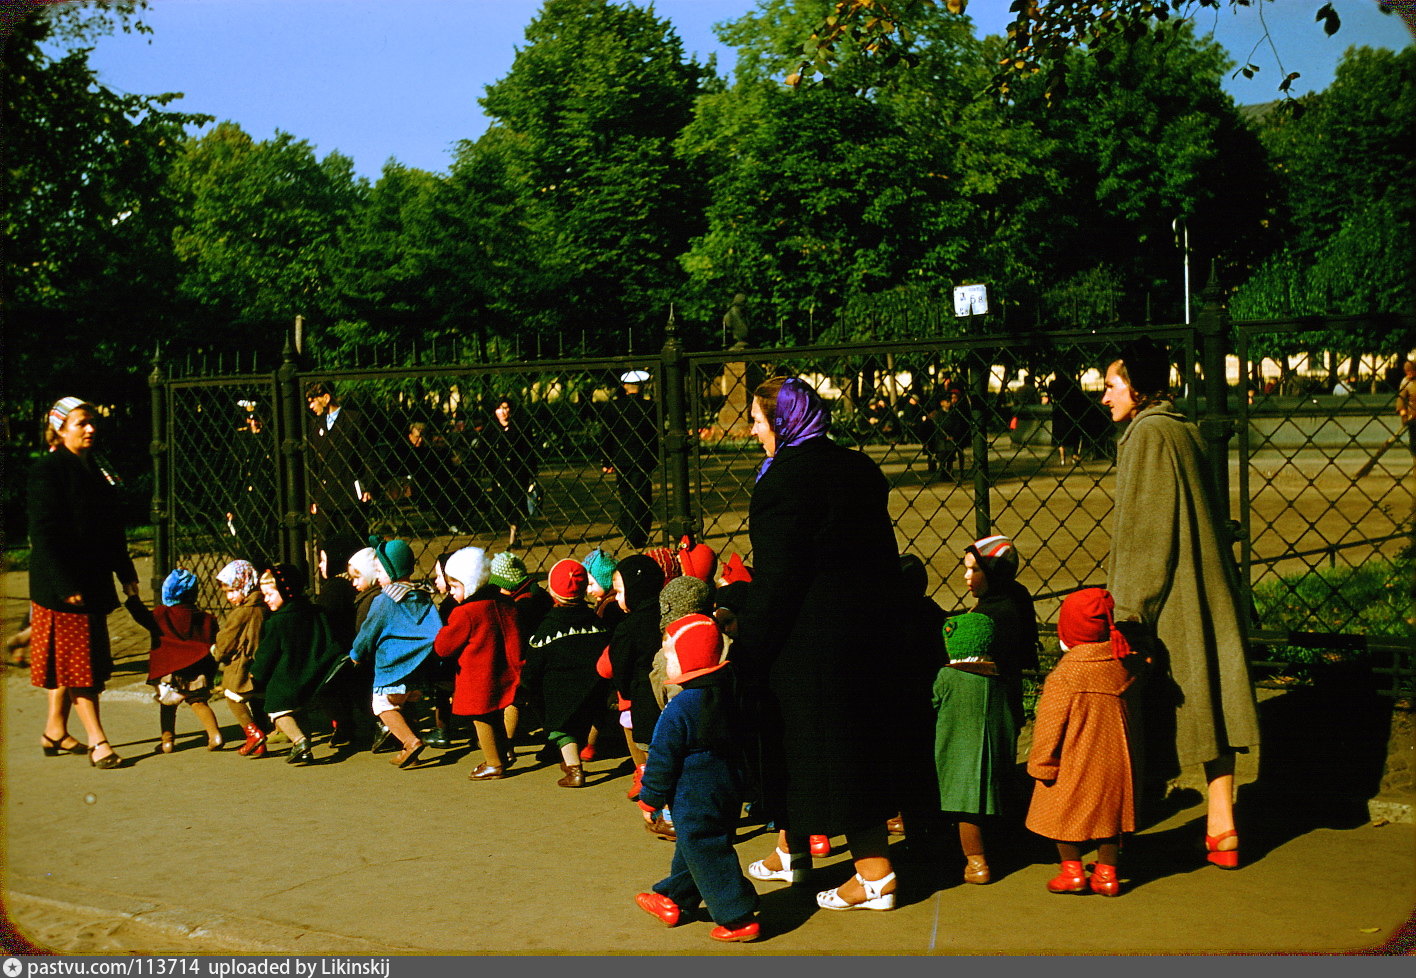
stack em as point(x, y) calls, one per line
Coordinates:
point(255, 740)
point(749, 931)
point(820, 846)
point(1072, 878)
point(660, 906)
point(633, 793)
point(587, 753)
point(1104, 880)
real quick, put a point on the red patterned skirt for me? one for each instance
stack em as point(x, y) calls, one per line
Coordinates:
point(68, 648)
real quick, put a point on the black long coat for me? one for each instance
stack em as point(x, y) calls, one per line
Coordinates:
point(339, 459)
point(817, 638)
point(76, 535)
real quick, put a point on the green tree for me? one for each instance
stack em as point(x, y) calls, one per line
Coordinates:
point(1346, 209)
point(1147, 137)
point(86, 217)
point(595, 101)
point(260, 228)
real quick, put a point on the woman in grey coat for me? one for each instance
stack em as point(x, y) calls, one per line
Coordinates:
point(1170, 570)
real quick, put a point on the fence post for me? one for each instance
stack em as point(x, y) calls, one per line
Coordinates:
point(161, 528)
point(290, 404)
point(676, 442)
point(979, 417)
point(1217, 426)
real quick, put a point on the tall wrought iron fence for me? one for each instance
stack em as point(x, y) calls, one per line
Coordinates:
point(970, 447)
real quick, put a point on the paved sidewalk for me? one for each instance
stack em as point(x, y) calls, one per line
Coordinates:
point(197, 852)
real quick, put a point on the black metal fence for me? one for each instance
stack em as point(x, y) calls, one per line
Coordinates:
point(972, 435)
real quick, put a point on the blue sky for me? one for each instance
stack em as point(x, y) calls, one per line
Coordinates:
point(400, 78)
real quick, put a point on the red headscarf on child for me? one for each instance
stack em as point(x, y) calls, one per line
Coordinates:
point(1087, 617)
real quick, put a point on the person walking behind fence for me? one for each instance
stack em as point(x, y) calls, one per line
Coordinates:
point(951, 433)
point(1176, 588)
point(483, 635)
point(77, 547)
point(1406, 412)
point(235, 649)
point(510, 456)
point(1081, 756)
point(341, 479)
point(398, 636)
point(181, 666)
point(630, 446)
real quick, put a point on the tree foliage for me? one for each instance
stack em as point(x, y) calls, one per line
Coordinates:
point(86, 217)
point(261, 224)
point(1041, 37)
point(595, 101)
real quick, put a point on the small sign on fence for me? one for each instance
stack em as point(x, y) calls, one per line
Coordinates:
point(970, 300)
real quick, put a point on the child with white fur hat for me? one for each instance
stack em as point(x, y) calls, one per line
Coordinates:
point(484, 634)
point(695, 766)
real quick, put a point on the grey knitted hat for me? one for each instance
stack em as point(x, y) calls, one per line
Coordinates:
point(684, 596)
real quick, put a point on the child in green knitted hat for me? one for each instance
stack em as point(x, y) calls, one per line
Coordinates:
point(974, 735)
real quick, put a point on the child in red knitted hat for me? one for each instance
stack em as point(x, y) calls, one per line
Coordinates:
point(1080, 755)
point(559, 673)
point(695, 766)
point(697, 560)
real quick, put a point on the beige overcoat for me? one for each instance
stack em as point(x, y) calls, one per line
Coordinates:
point(1169, 569)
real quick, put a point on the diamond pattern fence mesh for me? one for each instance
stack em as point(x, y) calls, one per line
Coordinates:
point(975, 436)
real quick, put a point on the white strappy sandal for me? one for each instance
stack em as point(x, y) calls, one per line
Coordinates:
point(874, 899)
point(787, 874)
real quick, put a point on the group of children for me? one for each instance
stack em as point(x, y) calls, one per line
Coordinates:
point(645, 642)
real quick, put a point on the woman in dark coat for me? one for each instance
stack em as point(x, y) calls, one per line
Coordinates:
point(1173, 575)
point(297, 651)
point(76, 548)
point(510, 453)
point(819, 635)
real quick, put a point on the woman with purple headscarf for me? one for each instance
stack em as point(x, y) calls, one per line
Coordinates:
point(815, 645)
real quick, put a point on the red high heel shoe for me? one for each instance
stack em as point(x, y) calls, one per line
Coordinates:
point(819, 845)
point(1071, 879)
point(1223, 858)
point(660, 906)
point(1104, 881)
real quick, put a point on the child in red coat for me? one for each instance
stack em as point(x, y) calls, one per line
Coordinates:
point(181, 666)
point(1080, 752)
point(485, 636)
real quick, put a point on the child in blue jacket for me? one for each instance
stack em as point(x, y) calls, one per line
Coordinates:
point(398, 634)
point(694, 768)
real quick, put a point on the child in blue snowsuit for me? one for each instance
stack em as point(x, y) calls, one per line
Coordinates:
point(694, 768)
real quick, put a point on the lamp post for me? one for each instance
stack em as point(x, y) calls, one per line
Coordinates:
point(1182, 240)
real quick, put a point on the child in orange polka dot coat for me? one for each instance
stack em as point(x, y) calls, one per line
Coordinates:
point(1080, 755)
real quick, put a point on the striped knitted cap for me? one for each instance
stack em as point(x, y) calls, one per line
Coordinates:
point(997, 557)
